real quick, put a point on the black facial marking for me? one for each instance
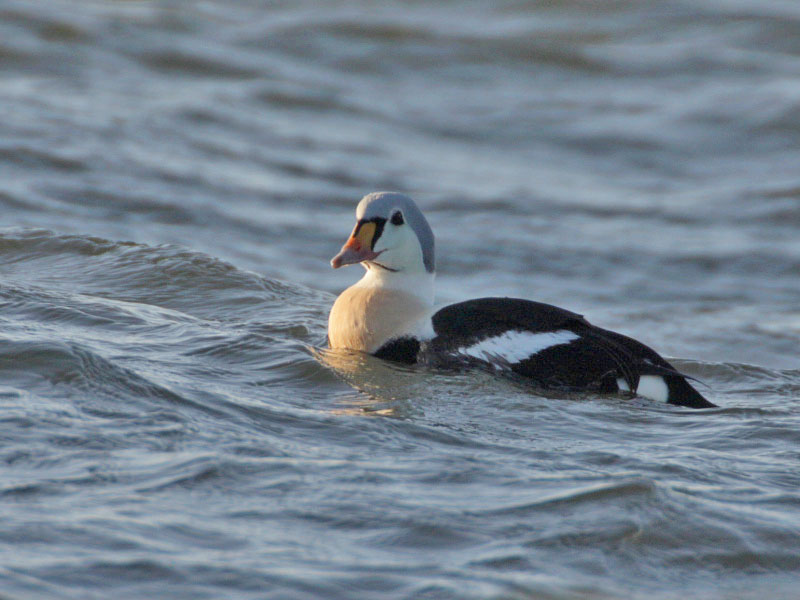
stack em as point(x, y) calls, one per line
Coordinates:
point(384, 267)
point(379, 225)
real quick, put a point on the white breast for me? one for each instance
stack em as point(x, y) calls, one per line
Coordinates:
point(365, 318)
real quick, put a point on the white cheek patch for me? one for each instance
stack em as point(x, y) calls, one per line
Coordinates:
point(650, 386)
point(514, 346)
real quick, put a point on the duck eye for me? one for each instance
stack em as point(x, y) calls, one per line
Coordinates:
point(397, 218)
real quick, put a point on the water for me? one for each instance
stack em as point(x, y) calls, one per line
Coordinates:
point(175, 176)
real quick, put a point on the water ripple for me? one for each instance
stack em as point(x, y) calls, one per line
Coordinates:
point(175, 177)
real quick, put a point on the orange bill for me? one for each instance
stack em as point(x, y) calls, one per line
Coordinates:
point(358, 247)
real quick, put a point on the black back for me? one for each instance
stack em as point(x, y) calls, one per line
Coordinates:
point(594, 361)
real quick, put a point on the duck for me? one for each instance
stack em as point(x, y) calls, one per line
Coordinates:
point(391, 314)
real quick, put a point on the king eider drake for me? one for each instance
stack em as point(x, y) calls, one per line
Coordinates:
point(390, 314)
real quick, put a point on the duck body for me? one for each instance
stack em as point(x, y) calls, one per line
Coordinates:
point(390, 313)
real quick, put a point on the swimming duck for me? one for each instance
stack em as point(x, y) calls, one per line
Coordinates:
point(390, 313)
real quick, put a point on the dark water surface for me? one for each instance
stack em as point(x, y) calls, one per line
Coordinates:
point(175, 176)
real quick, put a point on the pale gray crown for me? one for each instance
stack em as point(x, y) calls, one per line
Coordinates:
point(383, 205)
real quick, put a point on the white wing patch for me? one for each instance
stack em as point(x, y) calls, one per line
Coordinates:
point(514, 346)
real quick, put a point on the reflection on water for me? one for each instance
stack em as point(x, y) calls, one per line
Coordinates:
point(386, 389)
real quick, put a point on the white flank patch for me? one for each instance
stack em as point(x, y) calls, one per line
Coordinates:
point(653, 387)
point(650, 386)
point(514, 346)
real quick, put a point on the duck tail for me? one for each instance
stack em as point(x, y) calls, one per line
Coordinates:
point(681, 393)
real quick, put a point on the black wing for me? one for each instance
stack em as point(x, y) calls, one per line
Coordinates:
point(594, 360)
